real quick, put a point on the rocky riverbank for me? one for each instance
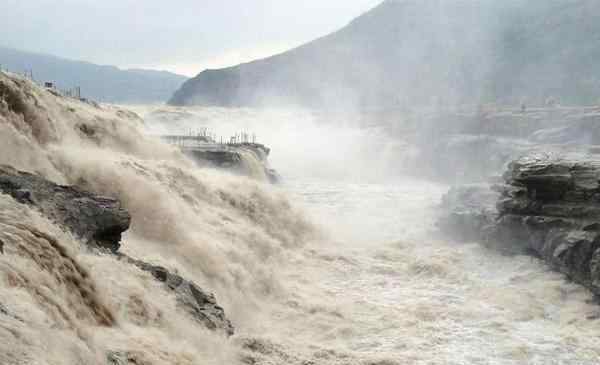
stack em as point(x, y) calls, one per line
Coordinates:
point(547, 206)
point(99, 222)
point(112, 242)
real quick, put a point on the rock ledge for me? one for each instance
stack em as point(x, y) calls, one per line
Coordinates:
point(548, 207)
point(98, 221)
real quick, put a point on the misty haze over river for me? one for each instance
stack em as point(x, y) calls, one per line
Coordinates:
point(365, 182)
point(382, 282)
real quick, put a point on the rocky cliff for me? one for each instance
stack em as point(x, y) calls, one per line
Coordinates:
point(99, 222)
point(405, 53)
point(548, 207)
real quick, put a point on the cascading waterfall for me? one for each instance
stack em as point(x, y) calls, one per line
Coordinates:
point(251, 163)
point(224, 232)
point(364, 284)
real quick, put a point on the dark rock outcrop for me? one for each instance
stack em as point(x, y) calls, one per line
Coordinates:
point(224, 159)
point(248, 159)
point(200, 305)
point(98, 221)
point(548, 207)
point(551, 205)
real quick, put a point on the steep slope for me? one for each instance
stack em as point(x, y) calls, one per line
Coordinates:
point(192, 232)
point(101, 83)
point(407, 52)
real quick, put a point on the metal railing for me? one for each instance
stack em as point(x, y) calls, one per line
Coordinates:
point(73, 92)
point(206, 139)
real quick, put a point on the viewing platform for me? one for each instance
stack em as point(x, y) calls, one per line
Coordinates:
point(237, 155)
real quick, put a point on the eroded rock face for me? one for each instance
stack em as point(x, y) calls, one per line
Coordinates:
point(200, 305)
point(552, 206)
point(98, 221)
point(249, 159)
point(548, 207)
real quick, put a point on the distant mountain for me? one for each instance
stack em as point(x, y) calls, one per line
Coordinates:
point(100, 83)
point(423, 52)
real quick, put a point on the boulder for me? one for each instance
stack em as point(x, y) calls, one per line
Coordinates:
point(98, 221)
point(200, 305)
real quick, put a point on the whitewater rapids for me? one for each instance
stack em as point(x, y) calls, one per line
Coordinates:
point(338, 265)
point(382, 286)
point(386, 289)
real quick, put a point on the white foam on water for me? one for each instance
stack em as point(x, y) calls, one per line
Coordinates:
point(336, 266)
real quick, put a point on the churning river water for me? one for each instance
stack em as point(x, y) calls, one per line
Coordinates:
point(386, 289)
point(339, 264)
point(380, 286)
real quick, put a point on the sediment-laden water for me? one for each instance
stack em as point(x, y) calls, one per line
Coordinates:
point(340, 264)
point(381, 284)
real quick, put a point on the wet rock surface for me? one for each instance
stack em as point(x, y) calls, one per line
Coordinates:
point(218, 158)
point(548, 207)
point(98, 221)
point(202, 306)
point(249, 159)
point(551, 205)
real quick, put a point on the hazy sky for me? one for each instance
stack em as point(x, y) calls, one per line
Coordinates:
point(183, 36)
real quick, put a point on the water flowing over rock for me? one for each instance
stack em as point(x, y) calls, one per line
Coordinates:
point(96, 220)
point(200, 305)
point(249, 159)
point(99, 222)
point(63, 270)
point(75, 176)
